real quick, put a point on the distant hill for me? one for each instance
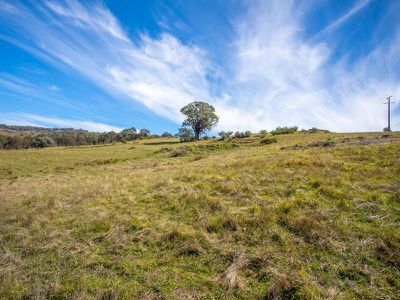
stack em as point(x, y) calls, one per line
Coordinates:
point(18, 129)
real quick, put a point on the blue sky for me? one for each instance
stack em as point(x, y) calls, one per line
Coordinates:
point(108, 65)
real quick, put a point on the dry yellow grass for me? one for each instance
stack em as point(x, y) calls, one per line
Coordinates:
point(311, 216)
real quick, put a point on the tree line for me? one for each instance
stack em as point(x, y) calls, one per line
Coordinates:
point(22, 137)
point(200, 118)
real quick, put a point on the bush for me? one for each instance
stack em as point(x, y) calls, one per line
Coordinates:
point(167, 135)
point(268, 141)
point(314, 130)
point(42, 141)
point(225, 135)
point(186, 134)
point(144, 133)
point(284, 130)
point(181, 151)
point(241, 135)
point(12, 142)
point(263, 132)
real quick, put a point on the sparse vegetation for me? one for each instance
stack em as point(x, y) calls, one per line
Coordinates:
point(241, 135)
point(225, 134)
point(284, 130)
point(166, 134)
point(294, 216)
point(186, 134)
point(314, 130)
point(23, 137)
point(267, 141)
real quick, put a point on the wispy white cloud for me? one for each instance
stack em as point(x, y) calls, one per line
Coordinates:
point(14, 86)
point(342, 19)
point(277, 76)
point(36, 120)
point(54, 88)
point(284, 78)
point(162, 74)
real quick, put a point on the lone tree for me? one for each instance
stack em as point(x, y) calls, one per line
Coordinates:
point(200, 116)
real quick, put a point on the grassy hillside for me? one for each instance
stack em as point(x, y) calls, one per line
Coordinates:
point(310, 216)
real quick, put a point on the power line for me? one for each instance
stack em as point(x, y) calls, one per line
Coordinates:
point(388, 103)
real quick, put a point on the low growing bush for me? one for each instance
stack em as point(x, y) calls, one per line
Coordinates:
point(225, 134)
point(267, 141)
point(284, 130)
point(241, 135)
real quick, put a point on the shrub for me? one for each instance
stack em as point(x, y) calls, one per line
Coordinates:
point(167, 135)
point(42, 141)
point(242, 134)
point(186, 134)
point(284, 130)
point(12, 142)
point(239, 135)
point(181, 151)
point(314, 130)
point(225, 134)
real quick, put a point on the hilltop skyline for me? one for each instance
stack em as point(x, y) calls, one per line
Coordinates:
point(109, 65)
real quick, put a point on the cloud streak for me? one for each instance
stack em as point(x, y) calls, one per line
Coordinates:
point(340, 21)
point(40, 121)
point(161, 74)
point(282, 77)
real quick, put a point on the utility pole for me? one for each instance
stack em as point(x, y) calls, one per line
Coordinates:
point(388, 103)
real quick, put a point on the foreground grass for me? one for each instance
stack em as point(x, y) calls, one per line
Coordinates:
point(311, 216)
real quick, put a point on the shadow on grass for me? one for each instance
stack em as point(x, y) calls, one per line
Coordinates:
point(161, 143)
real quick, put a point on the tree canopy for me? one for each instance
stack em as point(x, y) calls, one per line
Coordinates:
point(200, 116)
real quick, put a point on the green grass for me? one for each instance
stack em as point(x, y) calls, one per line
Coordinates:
point(313, 216)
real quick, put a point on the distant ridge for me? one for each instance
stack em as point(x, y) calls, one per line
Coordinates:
point(36, 129)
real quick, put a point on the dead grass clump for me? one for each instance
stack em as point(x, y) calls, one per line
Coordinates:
point(190, 250)
point(107, 295)
point(256, 263)
point(261, 216)
point(311, 228)
point(174, 236)
point(388, 251)
point(354, 274)
point(163, 150)
point(183, 242)
point(268, 141)
point(220, 223)
point(282, 286)
point(321, 144)
point(101, 162)
point(231, 279)
point(181, 151)
point(217, 146)
point(197, 157)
